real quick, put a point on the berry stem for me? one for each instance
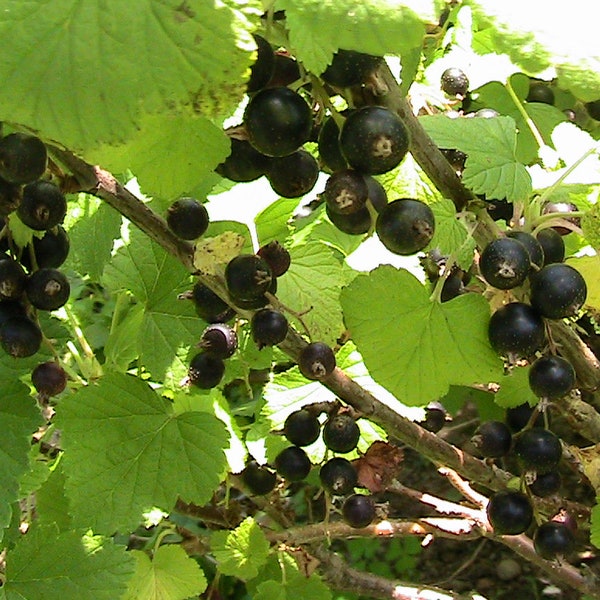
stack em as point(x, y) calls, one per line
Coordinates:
point(528, 120)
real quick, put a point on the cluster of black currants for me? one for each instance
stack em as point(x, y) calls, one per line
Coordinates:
point(30, 280)
point(337, 475)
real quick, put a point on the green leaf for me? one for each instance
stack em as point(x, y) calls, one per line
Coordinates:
point(514, 389)
point(127, 452)
point(595, 524)
point(19, 419)
point(51, 503)
point(170, 575)
point(451, 236)
point(318, 29)
point(589, 267)
point(122, 344)
point(49, 564)
point(492, 167)
point(590, 223)
point(241, 552)
point(82, 72)
point(270, 590)
point(271, 223)
point(403, 334)
point(155, 278)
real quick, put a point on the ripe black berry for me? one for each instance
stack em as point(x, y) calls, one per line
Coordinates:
point(552, 539)
point(12, 279)
point(558, 291)
point(277, 257)
point(533, 247)
point(551, 377)
point(454, 82)
point(48, 289)
point(546, 484)
point(338, 476)
point(346, 192)
point(356, 223)
point(509, 513)
point(492, 439)
point(341, 433)
point(248, 277)
point(358, 510)
point(20, 337)
point(374, 140)
point(43, 205)
point(517, 329)
point(244, 163)
point(293, 175)
point(593, 109)
point(504, 263)
point(22, 158)
point(278, 121)
point(220, 340)
point(258, 479)
point(456, 158)
point(540, 92)
point(330, 152)
point(206, 371)
point(519, 416)
point(187, 218)
point(316, 361)
point(301, 427)
point(293, 464)
point(285, 70)
point(552, 244)
point(435, 417)
point(50, 251)
point(262, 69)
point(269, 327)
point(405, 226)
point(209, 306)
point(376, 193)
point(49, 379)
point(538, 450)
point(350, 68)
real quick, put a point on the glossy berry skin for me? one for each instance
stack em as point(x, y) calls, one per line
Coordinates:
point(209, 306)
point(262, 69)
point(376, 193)
point(187, 218)
point(316, 361)
point(358, 511)
point(454, 82)
point(330, 152)
point(285, 70)
point(48, 289)
point(278, 121)
point(533, 247)
point(516, 329)
point(551, 377)
point(206, 371)
point(20, 337)
point(552, 540)
point(247, 277)
point(558, 291)
point(504, 263)
point(546, 484)
point(540, 92)
point(509, 513)
point(244, 163)
point(593, 109)
point(338, 476)
point(341, 433)
point(374, 140)
point(49, 379)
point(294, 175)
point(43, 206)
point(356, 223)
point(349, 68)
point(269, 327)
point(552, 244)
point(258, 479)
point(277, 257)
point(12, 279)
point(492, 439)
point(435, 417)
point(293, 464)
point(538, 450)
point(405, 226)
point(346, 192)
point(518, 417)
point(302, 428)
point(220, 340)
point(22, 158)
point(50, 251)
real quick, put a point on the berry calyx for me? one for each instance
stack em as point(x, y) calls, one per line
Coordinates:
point(345, 192)
point(338, 476)
point(43, 205)
point(551, 377)
point(302, 428)
point(48, 289)
point(504, 263)
point(187, 218)
point(358, 510)
point(509, 512)
point(293, 464)
point(12, 279)
point(341, 433)
point(316, 361)
point(269, 327)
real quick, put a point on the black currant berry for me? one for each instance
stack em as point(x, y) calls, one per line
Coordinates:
point(278, 121)
point(552, 540)
point(43, 205)
point(10, 197)
point(558, 291)
point(454, 82)
point(540, 92)
point(49, 379)
point(341, 433)
point(50, 251)
point(533, 247)
point(293, 464)
point(435, 417)
point(209, 306)
point(593, 109)
point(504, 263)
point(302, 428)
point(206, 371)
point(259, 479)
point(244, 163)
point(376, 193)
point(20, 337)
point(537, 449)
point(187, 218)
point(562, 209)
point(405, 226)
point(293, 175)
point(356, 223)
point(338, 476)
point(269, 327)
point(12, 279)
point(220, 340)
point(500, 210)
point(516, 329)
point(277, 257)
point(551, 377)
point(546, 484)
point(262, 69)
point(258, 302)
point(330, 152)
point(552, 244)
point(374, 140)
point(10, 309)
point(285, 70)
point(22, 158)
point(316, 361)
point(248, 277)
point(456, 158)
point(346, 192)
point(358, 510)
point(350, 68)
point(48, 289)
point(454, 284)
point(509, 512)
point(519, 416)
point(492, 439)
